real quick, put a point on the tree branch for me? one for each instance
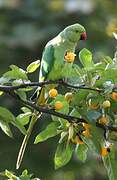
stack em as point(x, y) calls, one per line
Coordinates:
point(40, 84)
point(10, 90)
point(50, 111)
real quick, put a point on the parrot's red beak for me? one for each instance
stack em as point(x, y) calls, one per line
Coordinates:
point(83, 36)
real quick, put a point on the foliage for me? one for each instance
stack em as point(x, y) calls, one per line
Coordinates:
point(11, 176)
point(92, 85)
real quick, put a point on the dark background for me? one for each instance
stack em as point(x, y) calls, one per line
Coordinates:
point(25, 27)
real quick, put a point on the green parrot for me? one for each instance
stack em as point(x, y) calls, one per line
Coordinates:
point(52, 64)
point(54, 67)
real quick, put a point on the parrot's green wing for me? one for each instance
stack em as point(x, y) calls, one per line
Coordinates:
point(46, 66)
point(47, 62)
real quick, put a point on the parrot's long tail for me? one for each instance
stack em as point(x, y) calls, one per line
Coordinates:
point(25, 140)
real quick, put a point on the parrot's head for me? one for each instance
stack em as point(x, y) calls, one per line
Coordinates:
point(75, 32)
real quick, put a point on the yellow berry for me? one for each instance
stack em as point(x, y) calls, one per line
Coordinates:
point(70, 57)
point(77, 140)
point(58, 105)
point(93, 105)
point(86, 125)
point(69, 96)
point(53, 93)
point(106, 104)
point(103, 120)
point(104, 151)
point(86, 133)
point(114, 96)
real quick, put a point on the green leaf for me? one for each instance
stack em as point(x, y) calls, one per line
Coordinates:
point(96, 133)
point(107, 75)
point(10, 175)
point(16, 73)
point(65, 108)
point(18, 82)
point(6, 128)
point(25, 172)
point(21, 94)
point(19, 126)
point(94, 143)
point(33, 66)
point(63, 154)
point(108, 60)
point(50, 131)
point(24, 118)
point(25, 109)
point(6, 115)
point(75, 113)
point(89, 143)
point(64, 136)
point(77, 70)
point(111, 165)
point(79, 97)
point(81, 151)
point(96, 137)
point(86, 58)
point(25, 175)
point(4, 80)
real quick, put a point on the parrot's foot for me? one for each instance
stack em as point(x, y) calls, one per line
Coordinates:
point(64, 80)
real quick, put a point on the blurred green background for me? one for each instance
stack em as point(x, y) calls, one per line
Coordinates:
point(25, 27)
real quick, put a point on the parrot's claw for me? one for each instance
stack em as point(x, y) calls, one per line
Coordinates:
point(64, 80)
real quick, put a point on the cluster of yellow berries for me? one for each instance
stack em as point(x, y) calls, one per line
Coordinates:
point(58, 104)
point(69, 96)
point(86, 132)
point(105, 104)
point(52, 94)
point(70, 57)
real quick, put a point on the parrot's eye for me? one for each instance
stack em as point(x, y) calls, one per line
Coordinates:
point(76, 31)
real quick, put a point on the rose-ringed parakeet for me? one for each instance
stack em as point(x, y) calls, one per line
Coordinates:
point(52, 64)
point(54, 67)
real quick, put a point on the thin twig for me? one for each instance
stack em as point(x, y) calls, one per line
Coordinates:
point(40, 84)
point(111, 128)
